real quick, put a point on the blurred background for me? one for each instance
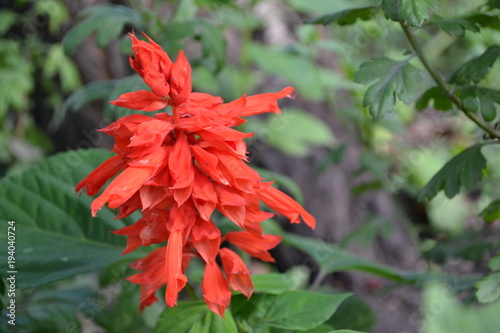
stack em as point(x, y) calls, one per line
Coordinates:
point(62, 61)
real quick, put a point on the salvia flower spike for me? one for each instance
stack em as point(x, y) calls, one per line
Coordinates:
point(177, 168)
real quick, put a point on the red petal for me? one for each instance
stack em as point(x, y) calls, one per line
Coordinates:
point(122, 188)
point(215, 290)
point(283, 204)
point(206, 239)
point(254, 245)
point(236, 272)
point(97, 178)
point(141, 100)
point(181, 79)
point(180, 163)
point(173, 267)
point(264, 102)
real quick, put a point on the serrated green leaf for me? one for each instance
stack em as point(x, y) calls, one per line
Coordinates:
point(56, 236)
point(465, 169)
point(331, 258)
point(107, 20)
point(488, 289)
point(411, 12)
point(291, 310)
point(476, 69)
point(346, 17)
point(389, 79)
point(491, 212)
point(302, 310)
point(454, 26)
point(480, 99)
point(194, 317)
point(441, 102)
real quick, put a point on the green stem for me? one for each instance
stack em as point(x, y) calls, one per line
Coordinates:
point(444, 87)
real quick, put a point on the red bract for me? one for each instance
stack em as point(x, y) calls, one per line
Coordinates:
point(179, 167)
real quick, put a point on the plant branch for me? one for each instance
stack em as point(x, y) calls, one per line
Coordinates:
point(444, 87)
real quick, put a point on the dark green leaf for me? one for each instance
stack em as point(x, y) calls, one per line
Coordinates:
point(494, 3)
point(346, 17)
point(488, 289)
point(441, 102)
point(355, 314)
point(194, 317)
point(485, 20)
point(107, 20)
point(388, 79)
point(331, 258)
point(302, 310)
point(411, 12)
point(54, 310)
point(465, 169)
point(480, 99)
point(56, 236)
point(491, 212)
point(476, 69)
point(454, 26)
point(291, 310)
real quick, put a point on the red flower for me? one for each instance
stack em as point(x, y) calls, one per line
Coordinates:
point(179, 167)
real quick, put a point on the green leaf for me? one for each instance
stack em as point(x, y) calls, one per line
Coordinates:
point(272, 283)
point(194, 317)
point(411, 12)
point(465, 169)
point(476, 69)
point(488, 289)
point(480, 99)
point(491, 212)
point(353, 313)
point(56, 236)
point(54, 310)
point(346, 17)
point(494, 3)
point(389, 79)
point(291, 310)
point(331, 258)
point(441, 102)
point(494, 263)
point(455, 26)
point(107, 20)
